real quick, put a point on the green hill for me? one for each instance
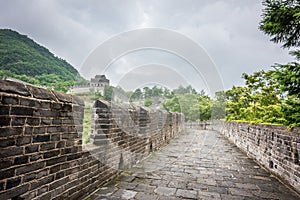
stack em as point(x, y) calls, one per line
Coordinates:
point(24, 59)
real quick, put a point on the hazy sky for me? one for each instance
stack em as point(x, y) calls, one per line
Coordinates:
point(226, 29)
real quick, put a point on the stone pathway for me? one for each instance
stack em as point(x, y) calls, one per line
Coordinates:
point(197, 165)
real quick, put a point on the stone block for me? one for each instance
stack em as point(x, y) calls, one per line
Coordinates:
point(4, 110)
point(23, 111)
point(13, 87)
point(12, 151)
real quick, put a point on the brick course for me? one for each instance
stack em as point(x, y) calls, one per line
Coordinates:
point(275, 147)
point(41, 153)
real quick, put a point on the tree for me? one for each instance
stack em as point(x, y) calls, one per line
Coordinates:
point(157, 91)
point(167, 93)
point(147, 92)
point(195, 107)
point(281, 21)
point(219, 105)
point(288, 77)
point(148, 102)
point(108, 92)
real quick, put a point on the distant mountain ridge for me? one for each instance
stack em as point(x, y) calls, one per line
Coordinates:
point(23, 58)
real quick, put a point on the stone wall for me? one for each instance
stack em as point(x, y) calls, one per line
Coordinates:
point(199, 125)
point(124, 134)
point(275, 147)
point(41, 153)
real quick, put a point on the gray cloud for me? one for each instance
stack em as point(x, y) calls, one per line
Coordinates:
point(72, 29)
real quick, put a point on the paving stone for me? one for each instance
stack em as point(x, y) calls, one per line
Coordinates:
point(145, 188)
point(177, 184)
point(126, 178)
point(196, 165)
point(186, 194)
point(162, 183)
point(240, 192)
point(250, 186)
point(105, 198)
point(125, 194)
point(165, 191)
point(208, 195)
point(169, 198)
point(230, 197)
point(126, 185)
point(220, 190)
point(105, 191)
point(145, 196)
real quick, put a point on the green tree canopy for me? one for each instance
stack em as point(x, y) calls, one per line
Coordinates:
point(281, 21)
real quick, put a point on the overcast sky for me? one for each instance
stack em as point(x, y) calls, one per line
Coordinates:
point(72, 29)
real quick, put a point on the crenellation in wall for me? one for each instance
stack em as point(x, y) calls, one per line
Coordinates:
point(41, 152)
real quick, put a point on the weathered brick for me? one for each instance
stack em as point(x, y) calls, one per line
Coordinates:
point(14, 87)
point(54, 129)
point(41, 181)
point(7, 173)
point(5, 120)
point(12, 151)
point(28, 168)
point(47, 146)
point(46, 121)
point(60, 174)
point(61, 144)
point(21, 160)
point(72, 184)
point(39, 130)
point(10, 100)
point(45, 104)
point(56, 122)
point(29, 102)
point(58, 183)
point(41, 138)
point(29, 177)
point(4, 110)
point(51, 153)
point(47, 113)
point(35, 157)
point(5, 163)
point(62, 96)
point(54, 161)
point(70, 143)
point(28, 130)
point(69, 150)
point(33, 121)
point(18, 121)
point(6, 142)
point(1, 186)
point(13, 193)
point(10, 183)
point(54, 169)
point(32, 148)
point(24, 111)
point(56, 106)
point(42, 173)
point(55, 137)
point(41, 93)
point(42, 190)
point(73, 156)
point(67, 107)
point(23, 140)
point(47, 195)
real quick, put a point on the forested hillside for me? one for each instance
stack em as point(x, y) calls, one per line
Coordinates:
point(22, 58)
